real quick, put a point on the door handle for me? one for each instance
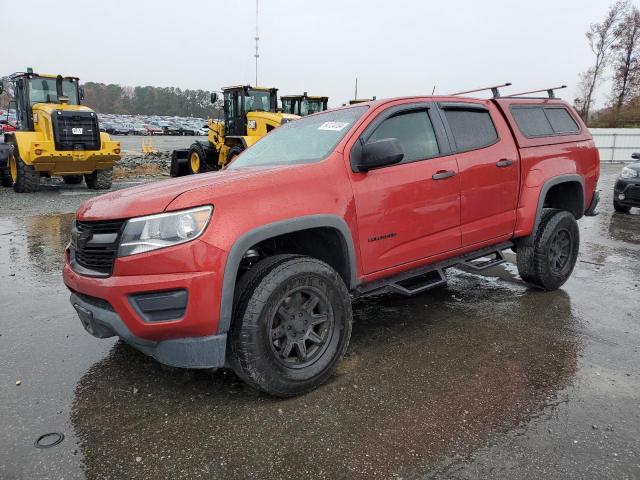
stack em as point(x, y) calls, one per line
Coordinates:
point(505, 162)
point(442, 174)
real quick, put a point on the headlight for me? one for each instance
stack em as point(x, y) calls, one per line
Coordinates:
point(144, 234)
point(628, 173)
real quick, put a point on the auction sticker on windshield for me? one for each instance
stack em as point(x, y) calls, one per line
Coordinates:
point(333, 126)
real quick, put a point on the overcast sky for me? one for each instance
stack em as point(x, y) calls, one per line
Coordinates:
point(394, 47)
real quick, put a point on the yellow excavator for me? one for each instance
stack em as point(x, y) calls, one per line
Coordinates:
point(304, 104)
point(55, 135)
point(249, 114)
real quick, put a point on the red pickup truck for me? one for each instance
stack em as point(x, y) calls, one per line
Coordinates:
point(254, 267)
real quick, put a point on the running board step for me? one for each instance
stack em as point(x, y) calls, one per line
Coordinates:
point(482, 263)
point(419, 283)
point(424, 278)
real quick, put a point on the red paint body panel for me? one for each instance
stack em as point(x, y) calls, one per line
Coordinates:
point(194, 266)
point(429, 220)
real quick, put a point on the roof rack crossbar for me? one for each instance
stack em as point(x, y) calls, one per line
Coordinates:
point(494, 90)
point(550, 92)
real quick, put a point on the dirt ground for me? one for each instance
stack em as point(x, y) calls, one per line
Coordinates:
point(483, 378)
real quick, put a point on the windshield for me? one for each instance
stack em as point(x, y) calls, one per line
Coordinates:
point(43, 90)
point(307, 140)
point(257, 100)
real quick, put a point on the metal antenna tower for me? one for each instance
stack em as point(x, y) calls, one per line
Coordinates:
point(257, 38)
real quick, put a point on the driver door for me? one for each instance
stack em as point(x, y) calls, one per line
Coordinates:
point(411, 210)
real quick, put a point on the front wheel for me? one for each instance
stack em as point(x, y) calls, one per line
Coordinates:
point(620, 208)
point(25, 178)
point(547, 261)
point(291, 326)
point(100, 179)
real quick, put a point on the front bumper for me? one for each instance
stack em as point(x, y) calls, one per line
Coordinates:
point(182, 279)
point(630, 188)
point(101, 321)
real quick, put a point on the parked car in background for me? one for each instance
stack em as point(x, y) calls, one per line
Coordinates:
point(138, 129)
point(626, 192)
point(183, 129)
point(153, 129)
point(121, 130)
point(7, 126)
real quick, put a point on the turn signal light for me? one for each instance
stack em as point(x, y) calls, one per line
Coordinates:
point(116, 151)
point(38, 151)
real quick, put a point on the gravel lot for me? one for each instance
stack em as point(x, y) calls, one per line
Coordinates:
point(483, 378)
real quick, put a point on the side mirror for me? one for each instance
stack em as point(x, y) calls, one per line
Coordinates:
point(214, 97)
point(635, 156)
point(379, 153)
point(81, 92)
point(1, 88)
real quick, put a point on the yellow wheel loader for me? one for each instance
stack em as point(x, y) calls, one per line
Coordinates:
point(55, 135)
point(249, 114)
point(304, 104)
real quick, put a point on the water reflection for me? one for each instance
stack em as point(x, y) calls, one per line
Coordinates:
point(425, 378)
point(34, 245)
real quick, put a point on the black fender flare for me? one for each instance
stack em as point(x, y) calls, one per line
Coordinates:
point(271, 230)
point(552, 182)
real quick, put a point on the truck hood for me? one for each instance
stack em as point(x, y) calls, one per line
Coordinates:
point(155, 197)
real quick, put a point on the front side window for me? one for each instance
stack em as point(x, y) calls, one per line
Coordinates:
point(471, 129)
point(43, 90)
point(413, 130)
point(307, 140)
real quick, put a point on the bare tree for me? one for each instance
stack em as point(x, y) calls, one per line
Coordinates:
point(601, 37)
point(626, 64)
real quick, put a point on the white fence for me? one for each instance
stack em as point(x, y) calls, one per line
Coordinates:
point(616, 144)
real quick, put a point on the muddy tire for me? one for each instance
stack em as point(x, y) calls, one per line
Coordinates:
point(234, 152)
point(25, 178)
point(100, 179)
point(5, 177)
point(618, 207)
point(291, 325)
point(72, 179)
point(548, 260)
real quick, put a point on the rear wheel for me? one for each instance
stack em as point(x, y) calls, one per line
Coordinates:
point(618, 207)
point(548, 260)
point(291, 326)
point(72, 179)
point(25, 178)
point(234, 152)
point(100, 179)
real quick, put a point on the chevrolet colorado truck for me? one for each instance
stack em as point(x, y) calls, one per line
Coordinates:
point(254, 267)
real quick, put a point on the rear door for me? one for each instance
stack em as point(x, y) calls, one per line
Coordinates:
point(489, 169)
point(410, 210)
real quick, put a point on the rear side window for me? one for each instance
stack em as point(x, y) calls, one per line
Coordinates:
point(561, 121)
point(413, 130)
point(472, 129)
point(541, 121)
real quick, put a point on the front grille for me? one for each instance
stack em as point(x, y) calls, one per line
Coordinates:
point(76, 130)
point(633, 193)
point(95, 244)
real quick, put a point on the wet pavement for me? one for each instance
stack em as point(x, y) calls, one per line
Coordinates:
point(481, 379)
